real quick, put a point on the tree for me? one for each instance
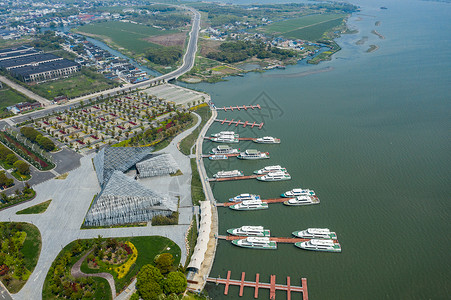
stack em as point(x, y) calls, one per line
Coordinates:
point(149, 273)
point(164, 262)
point(11, 158)
point(175, 283)
point(22, 167)
point(149, 290)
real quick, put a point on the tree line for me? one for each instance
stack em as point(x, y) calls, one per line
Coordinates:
point(36, 137)
point(167, 56)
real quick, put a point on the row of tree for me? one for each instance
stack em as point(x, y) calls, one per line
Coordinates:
point(36, 137)
point(7, 156)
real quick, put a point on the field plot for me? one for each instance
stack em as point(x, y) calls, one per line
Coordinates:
point(310, 28)
point(9, 97)
point(133, 37)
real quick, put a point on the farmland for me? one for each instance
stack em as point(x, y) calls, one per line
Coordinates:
point(129, 36)
point(309, 28)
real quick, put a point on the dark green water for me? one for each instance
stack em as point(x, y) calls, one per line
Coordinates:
point(372, 138)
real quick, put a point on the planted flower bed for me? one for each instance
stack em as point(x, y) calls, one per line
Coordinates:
point(29, 155)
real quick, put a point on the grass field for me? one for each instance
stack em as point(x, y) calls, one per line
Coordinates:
point(35, 209)
point(9, 97)
point(309, 28)
point(186, 144)
point(125, 35)
point(73, 86)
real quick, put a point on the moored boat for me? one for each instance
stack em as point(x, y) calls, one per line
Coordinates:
point(218, 157)
point(268, 169)
point(267, 140)
point(319, 245)
point(250, 205)
point(227, 174)
point(244, 197)
point(315, 233)
point(225, 139)
point(225, 133)
point(302, 200)
point(224, 149)
point(275, 176)
point(253, 154)
point(256, 243)
point(249, 231)
point(298, 192)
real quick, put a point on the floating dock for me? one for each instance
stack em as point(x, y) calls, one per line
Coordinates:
point(272, 286)
point(232, 108)
point(234, 178)
point(239, 122)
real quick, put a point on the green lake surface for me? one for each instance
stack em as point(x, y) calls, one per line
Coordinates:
point(370, 133)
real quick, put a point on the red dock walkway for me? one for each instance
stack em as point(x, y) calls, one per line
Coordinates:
point(272, 286)
point(245, 107)
point(234, 178)
point(239, 122)
point(272, 200)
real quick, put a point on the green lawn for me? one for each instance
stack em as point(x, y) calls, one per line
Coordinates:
point(36, 209)
point(309, 28)
point(74, 86)
point(9, 97)
point(126, 35)
point(197, 191)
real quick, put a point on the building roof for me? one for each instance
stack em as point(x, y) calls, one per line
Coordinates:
point(124, 200)
point(204, 236)
point(44, 67)
point(30, 59)
point(162, 164)
point(20, 48)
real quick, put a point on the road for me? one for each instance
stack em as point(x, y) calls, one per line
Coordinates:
point(25, 91)
point(188, 62)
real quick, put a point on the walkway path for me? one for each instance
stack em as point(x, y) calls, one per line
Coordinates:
point(25, 91)
point(76, 272)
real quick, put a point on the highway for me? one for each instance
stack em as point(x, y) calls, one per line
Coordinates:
point(188, 62)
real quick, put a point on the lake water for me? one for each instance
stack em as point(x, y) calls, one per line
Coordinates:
point(370, 133)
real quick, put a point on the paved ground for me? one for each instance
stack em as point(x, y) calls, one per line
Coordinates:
point(25, 91)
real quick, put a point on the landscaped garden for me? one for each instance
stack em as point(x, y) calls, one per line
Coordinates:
point(35, 209)
point(19, 253)
point(121, 257)
point(27, 193)
point(9, 160)
point(26, 152)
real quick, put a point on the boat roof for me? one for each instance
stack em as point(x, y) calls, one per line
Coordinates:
point(247, 202)
point(273, 167)
point(227, 132)
point(267, 138)
point(319, 230)
point(244, 195)
point(252, 151)
point(322, 242)
point(223, 147)
point(303, 197)
point(254, 228)
point(298, 190)
point(277, 173)
point(258, 239)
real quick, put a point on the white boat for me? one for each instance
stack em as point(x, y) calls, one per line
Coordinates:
point(267, 140)
point(268, 169)
point(315, 233)
point(320, 245)
point(298, 192)
point(253, 154)
point(275, 176)
point(244, 197)
point(302, 200)
point(217, 157)
point(256, 243)
point(250, 205)
point(224, 149)
point(225, 139)
point(227, 174)
point(249, 231)
point(225, 133)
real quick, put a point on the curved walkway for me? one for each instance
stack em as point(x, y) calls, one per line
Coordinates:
point(76, 272)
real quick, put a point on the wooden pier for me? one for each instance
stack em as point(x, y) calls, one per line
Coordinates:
point(272, 200)
point(245, 107)
point(234, 178)
point(239, 122)
point(272, 286)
